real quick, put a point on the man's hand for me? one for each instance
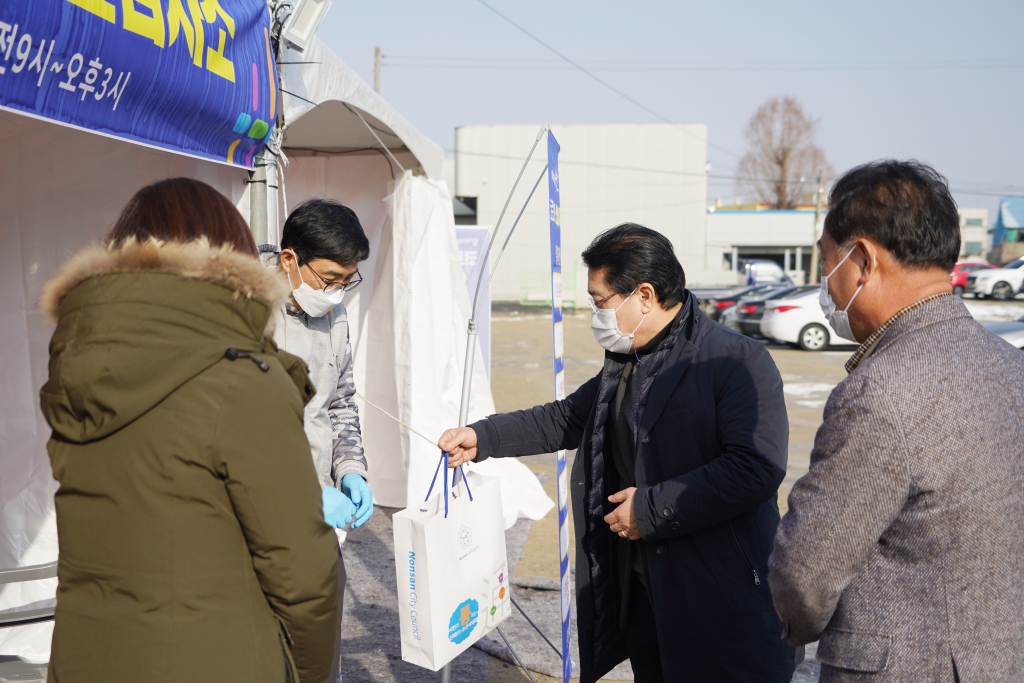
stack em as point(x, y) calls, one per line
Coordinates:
point(356, 488)
point(338, 508)
point(460, 445)
point(622, 521)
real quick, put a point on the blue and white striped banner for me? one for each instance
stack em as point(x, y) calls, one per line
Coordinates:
point(558, 346)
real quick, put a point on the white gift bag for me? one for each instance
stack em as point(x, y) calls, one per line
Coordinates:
point(453, 583)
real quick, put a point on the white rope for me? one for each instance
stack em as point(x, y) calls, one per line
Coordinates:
point(419, 434)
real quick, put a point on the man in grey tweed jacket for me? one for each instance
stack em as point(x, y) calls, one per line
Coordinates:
point(903, 549)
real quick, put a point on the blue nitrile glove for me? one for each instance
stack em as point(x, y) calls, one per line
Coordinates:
point(338, 508)
point(359, 491)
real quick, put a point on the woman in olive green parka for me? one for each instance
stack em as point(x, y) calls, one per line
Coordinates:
point(192, 542)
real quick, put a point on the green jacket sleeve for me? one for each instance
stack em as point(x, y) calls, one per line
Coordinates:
point(273, 487)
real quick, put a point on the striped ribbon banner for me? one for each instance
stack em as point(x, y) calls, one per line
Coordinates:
point(558, 347)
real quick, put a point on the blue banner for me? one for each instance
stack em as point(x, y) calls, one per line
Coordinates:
point(472, 241)
point(558, 347)
point(190, 76)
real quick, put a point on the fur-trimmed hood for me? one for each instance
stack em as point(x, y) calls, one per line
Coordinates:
point(191, 260)
point(137, 322)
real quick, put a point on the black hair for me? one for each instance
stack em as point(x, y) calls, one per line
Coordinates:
point(631, 254)
point(903, 205)
point(325, 229)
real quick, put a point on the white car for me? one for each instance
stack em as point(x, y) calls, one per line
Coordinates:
point(999, 283)
point(797, 319)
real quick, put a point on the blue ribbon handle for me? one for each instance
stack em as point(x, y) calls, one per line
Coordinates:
point(444, 477)
point(461, 473)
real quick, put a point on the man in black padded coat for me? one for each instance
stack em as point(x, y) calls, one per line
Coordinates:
point(682, 442)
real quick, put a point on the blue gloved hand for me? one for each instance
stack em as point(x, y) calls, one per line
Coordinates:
point(338, 508)
point(359, 492)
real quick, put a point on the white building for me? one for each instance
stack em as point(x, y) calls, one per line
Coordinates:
point(785, 237)
point(974, 238)
point(654, 175)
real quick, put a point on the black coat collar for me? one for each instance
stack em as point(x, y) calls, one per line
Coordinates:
point(680, 345)
point(688, 330)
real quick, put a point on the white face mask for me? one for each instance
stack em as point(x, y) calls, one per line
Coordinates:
point(605, 326)
point(837, 320)
point(314, 302)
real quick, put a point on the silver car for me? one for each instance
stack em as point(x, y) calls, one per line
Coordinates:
point(1010, 330)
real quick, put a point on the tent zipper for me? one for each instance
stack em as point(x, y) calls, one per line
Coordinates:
point(735, 538)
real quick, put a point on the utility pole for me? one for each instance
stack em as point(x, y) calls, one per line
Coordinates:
point(812, 276)
point(376, 70)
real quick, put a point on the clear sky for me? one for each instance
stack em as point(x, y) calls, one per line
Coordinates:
point(936, 81)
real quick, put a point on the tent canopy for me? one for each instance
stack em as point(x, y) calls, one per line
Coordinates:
point(410, 223)
point(320, 103)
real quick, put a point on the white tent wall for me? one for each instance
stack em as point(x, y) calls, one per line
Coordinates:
point(409, 319)
point(357, 181)
point(60, 189)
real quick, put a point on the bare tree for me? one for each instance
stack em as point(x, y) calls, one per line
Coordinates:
point(782, 160)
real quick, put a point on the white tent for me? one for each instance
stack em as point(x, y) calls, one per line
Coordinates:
point(61, 189)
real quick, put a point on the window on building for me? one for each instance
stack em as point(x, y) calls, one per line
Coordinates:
point(465, 210)
point(972, 248)
point(974, 222)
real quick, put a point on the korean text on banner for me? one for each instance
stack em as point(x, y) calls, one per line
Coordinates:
point(557, 344)
point(472, 240)
point(196, 77)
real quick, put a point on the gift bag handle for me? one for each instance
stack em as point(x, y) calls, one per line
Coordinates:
point(444, 477)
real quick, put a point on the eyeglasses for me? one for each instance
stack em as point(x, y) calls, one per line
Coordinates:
point(348, 286)
point(596, 303)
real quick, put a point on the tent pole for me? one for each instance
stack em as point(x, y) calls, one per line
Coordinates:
point(467, 373)
point(258, 219)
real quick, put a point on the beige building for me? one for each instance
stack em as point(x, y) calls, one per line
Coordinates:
point(654, 175)
point(974, 237)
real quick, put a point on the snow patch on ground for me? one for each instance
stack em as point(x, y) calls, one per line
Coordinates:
point(809, 394)
point(994, 312)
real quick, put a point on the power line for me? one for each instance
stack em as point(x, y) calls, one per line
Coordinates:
point(635, 169)
point(564, 162)
point(603, 82)
point(995, 192)
point(540, 65)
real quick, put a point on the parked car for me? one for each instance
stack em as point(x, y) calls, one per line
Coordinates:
point(750, 310)
point(718, 305)
point(958, 277)
point(797, 319)
point(764, 271)
point(727, 316)
point(1010, 330)
point(999, 283)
